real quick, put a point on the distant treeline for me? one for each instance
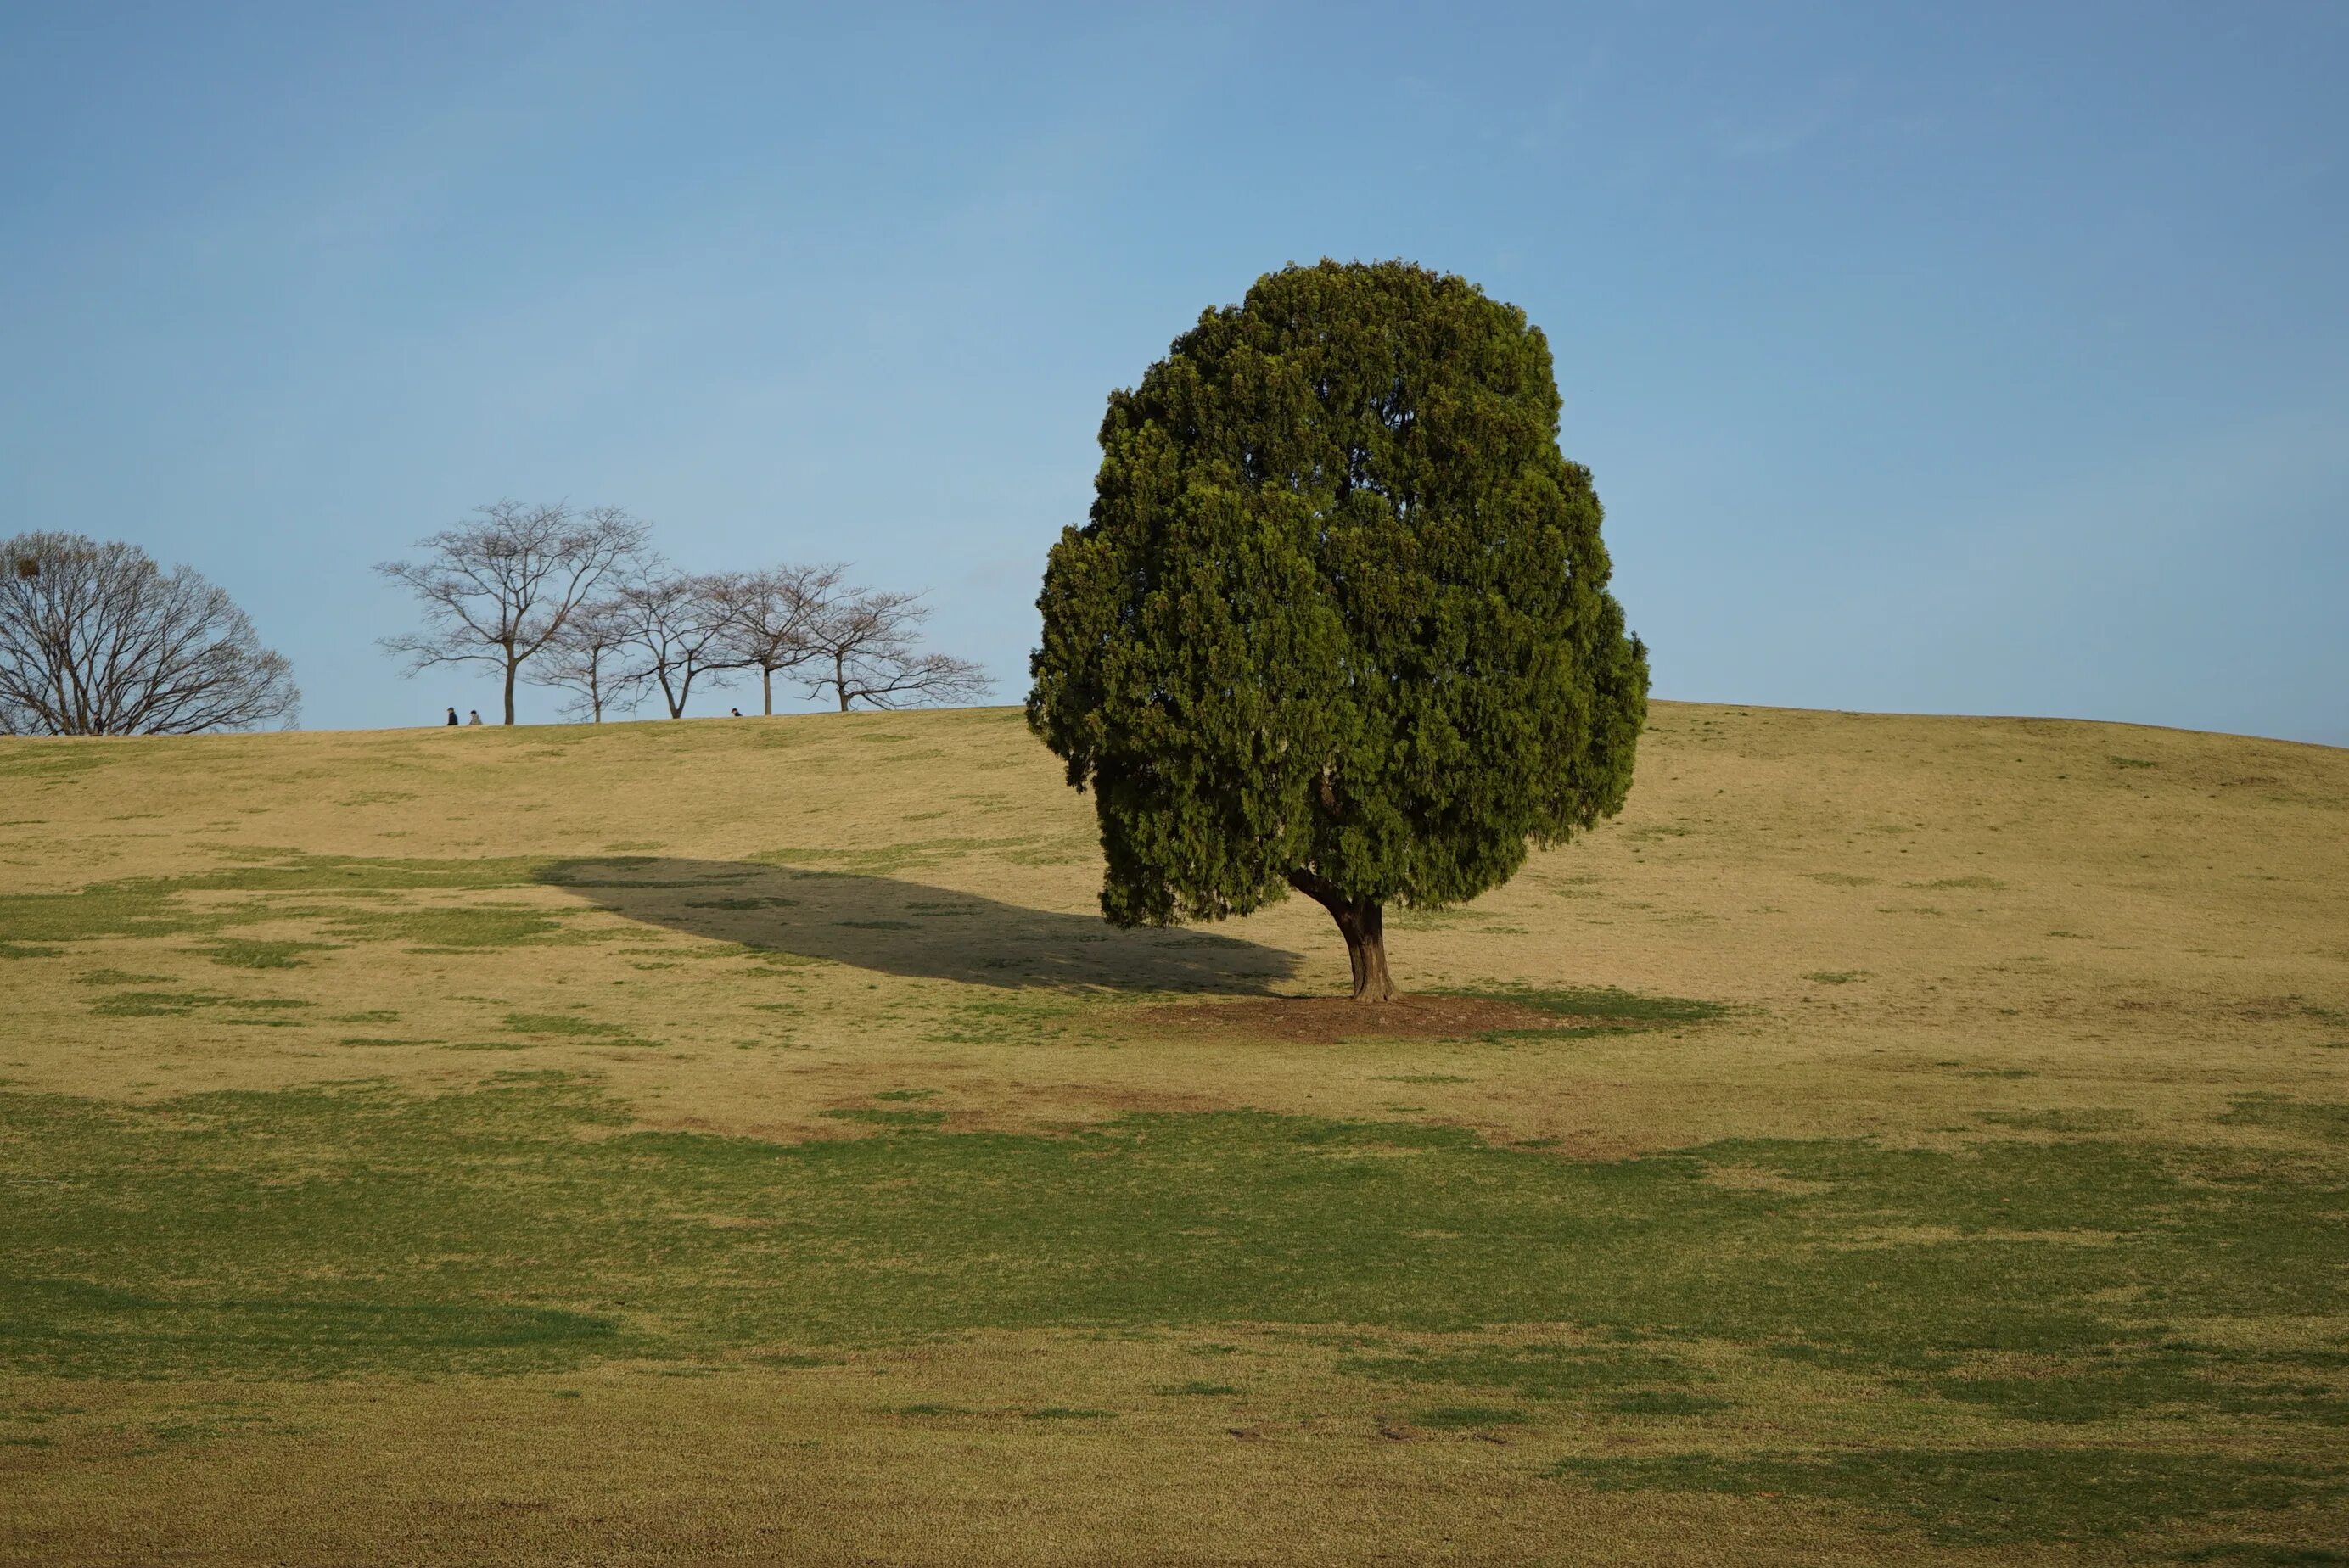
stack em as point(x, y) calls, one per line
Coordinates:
point(576, 598)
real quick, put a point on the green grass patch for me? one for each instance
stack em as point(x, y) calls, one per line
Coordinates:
point(155, 1003)
point(244, 954)
point(488, 1197)
point(104, 911)
point(2299, 1387)
point(1991, 1496)
point(289, 1335)
point(565, 1026)
point(291, 871)
point(2327, 1121)
point(2082, 1120)
point(1468, 1415)
point(1011, 1017)
point(887, 858)
point(29, 949)
point(1586, 1011)
point(46, 759)
point(520, 1226)
point(1608, 1005)
point(1601, 1376)
point(152, 906)
point(887, 1118)
point(463, 927)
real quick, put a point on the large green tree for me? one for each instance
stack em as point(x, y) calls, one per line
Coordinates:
point(1338, 621)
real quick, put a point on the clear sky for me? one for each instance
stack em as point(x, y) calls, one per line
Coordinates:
point(1966, 358)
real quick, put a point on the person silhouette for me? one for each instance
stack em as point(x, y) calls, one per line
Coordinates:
point(452, 718)
point(476, 716)
point(738, 713)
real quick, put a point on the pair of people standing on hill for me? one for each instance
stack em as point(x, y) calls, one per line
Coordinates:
point(475, 719)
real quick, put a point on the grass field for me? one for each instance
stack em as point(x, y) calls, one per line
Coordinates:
point(1893, 1138)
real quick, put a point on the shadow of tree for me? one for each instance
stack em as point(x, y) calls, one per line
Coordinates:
point(895, 927)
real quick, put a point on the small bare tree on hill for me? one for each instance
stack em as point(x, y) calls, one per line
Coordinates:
point(867, 642)
point(96, 639)
point(772, 614)
point(678, 626)
point(498, 589)
point(590, 657)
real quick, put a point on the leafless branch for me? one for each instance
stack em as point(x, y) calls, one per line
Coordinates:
point(498, 589)
point(677, 631)
point(590, 658)
point(865, 650)
point(770, 618)
point(95, 639)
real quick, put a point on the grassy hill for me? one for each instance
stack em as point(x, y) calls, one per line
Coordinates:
point(1893, 1137)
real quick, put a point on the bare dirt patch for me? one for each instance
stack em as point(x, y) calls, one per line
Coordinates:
point(1326, 1020)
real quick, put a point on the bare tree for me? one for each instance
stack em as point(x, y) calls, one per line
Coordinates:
point(867, 643)
point(96, 639)
point(678, 626)
point(498, 589)
point(770, 617)
point(590, 657)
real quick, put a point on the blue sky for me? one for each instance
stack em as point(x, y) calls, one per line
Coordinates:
point(1967, 358)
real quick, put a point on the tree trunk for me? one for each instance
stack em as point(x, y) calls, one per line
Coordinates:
point(1363, 922)
point(767, 690)
point(840, 681)
point(513, 664)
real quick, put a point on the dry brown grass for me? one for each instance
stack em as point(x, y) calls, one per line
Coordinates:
point(1916, 923)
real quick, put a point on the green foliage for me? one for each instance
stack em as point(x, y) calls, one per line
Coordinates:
point(1340, 607)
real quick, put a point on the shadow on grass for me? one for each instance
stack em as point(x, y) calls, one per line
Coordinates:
point(893, 927)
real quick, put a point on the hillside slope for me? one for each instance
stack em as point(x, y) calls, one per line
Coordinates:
point(742, 1138)
point(2089, 900)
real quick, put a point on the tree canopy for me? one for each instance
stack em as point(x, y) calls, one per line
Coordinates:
point(1338, 621)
